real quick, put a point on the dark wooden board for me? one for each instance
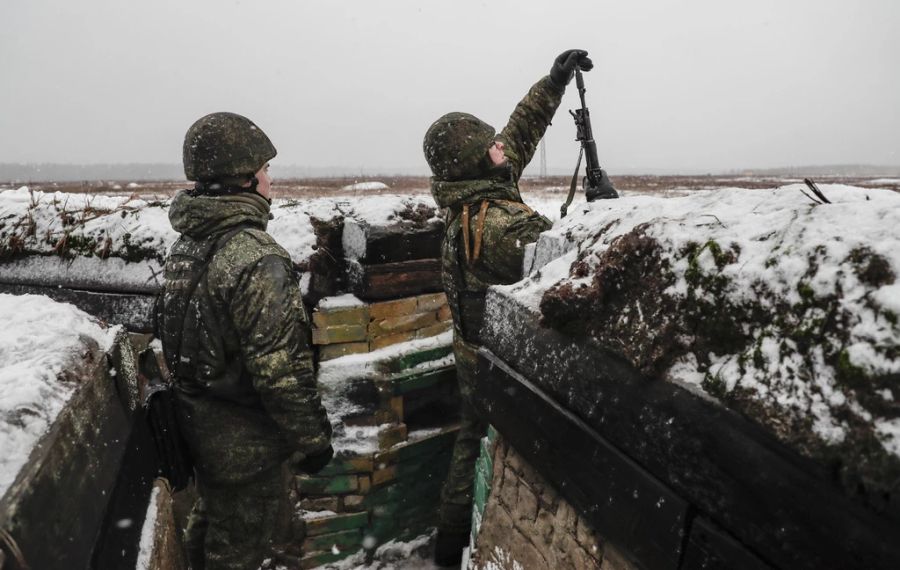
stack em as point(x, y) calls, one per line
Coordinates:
point(711, 548)
point(402, 241)
point(118, 542)
point(625, 504)
point(393, 280)
point(133, 311)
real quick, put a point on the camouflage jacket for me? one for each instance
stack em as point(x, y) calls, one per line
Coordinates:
point(245, 378)
point(490, 250)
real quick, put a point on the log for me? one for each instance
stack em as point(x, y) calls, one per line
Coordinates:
point(392, 280)
point(133, 311)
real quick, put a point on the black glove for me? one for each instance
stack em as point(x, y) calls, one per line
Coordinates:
point(312, 464)
point(564, 66)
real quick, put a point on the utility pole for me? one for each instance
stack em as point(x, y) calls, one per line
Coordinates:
point(543, 158)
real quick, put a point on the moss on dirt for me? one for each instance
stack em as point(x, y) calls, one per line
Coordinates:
point(783, 351)
point(419, 214)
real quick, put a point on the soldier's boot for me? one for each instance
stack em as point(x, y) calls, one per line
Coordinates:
point(195, 536)
point(449, 546)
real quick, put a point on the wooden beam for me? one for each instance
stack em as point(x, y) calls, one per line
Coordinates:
point(625, 504)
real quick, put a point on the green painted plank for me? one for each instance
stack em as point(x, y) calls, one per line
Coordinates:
point(345, 540)
point(413, 381)
point(336, 523)
point(409, 360)
point(342, 465)
point(328, 485)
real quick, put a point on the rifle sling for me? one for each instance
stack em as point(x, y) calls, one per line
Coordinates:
point(565, 207)
point(219, 244)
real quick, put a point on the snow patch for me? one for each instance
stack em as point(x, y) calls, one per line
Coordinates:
point(393, 555)
point(345, 301)
point(786, 249)
point(145, 548)
point(39, 339)
point(362, 186)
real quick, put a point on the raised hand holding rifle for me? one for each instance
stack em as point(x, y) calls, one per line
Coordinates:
point(596, 183)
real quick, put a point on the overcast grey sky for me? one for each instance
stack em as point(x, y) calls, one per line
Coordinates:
point(678, 85)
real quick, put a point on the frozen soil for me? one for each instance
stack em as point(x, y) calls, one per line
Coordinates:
point(784, 310)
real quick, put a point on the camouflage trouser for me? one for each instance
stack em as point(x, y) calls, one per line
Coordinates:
point(234, 527)
point(455, 514)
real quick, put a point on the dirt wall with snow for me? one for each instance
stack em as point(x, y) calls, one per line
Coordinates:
point(68, 394)
point(732, 353)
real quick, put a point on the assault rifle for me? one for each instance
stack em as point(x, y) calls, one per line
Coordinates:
point(596, 183)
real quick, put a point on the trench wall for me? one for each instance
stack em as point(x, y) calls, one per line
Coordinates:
point(381, 338)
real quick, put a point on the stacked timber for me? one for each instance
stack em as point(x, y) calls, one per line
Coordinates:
point(389, 384)
point(390, 389)
point(394, 257)
point(346, 325)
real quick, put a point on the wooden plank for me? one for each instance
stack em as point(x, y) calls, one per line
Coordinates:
point(392, 280)
point(111, 274)
point(133, 311)
point(709, 547)
point(399, 241)
point(783, 506)
point(420, 380)
point(625, 504)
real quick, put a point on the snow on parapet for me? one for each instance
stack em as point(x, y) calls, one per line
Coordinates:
point(134, 235)
point(782, 308)
point(35, 222)
point(39, 339)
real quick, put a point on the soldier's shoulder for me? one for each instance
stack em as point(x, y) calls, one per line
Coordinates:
point(261, 237)
point(510, 212)
point(248, 246)
point(507, 218)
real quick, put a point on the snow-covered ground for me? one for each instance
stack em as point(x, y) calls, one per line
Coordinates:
point(90, 241)
point(38, 340)
point(394, 555)
point(131, 228)
point(826, 272)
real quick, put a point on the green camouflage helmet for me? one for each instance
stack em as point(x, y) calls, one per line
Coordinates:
point(456, 144)
point(225, 145)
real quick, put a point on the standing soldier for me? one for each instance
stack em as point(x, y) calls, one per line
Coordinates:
point(475, 176)
point(237, 341)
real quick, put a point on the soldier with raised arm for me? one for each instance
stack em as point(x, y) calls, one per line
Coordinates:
point(475, 177)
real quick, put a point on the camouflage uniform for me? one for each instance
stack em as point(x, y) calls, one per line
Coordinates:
point(487, 230)
point(245, 381)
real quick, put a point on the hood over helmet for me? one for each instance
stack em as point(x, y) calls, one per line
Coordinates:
point(456, 146)
point(200, 216)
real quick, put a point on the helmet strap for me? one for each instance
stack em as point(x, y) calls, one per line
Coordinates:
point(213, 188)
point(254, 182)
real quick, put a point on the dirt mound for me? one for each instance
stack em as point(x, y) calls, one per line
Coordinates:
point(771, 308)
